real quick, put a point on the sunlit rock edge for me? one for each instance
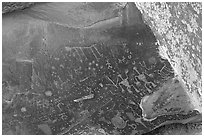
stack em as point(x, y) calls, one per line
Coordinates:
point(178, 29)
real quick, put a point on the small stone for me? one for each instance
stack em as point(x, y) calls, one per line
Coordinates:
point(48, 93)
point(68, 48)
point(23, 109)
point(118, 122)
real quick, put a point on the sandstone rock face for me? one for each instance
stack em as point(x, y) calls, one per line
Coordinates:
point(178, 28)
point(87, 68)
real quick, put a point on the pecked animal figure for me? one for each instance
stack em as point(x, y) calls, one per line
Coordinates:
point(63, 76)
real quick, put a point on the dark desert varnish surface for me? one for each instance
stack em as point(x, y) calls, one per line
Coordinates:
point(72, 70)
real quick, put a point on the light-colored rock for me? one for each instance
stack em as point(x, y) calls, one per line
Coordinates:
point(177, 27)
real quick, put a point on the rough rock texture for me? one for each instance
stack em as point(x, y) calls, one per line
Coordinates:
point(178, 28)
point(15, 6)
point(178, 129)
point(87, 68)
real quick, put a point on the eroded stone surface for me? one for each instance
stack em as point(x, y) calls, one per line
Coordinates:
point(94, 80)
point(178, 28)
